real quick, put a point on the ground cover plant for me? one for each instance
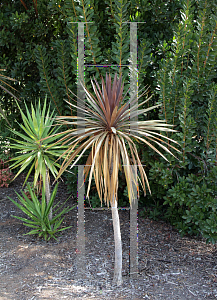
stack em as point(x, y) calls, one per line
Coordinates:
point(6, 177)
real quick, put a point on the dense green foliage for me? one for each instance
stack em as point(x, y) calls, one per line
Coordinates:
point(177, 49)
point(186, 84)
point(192, 205)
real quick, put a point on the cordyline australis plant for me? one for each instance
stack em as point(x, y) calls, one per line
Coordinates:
point(107, 133)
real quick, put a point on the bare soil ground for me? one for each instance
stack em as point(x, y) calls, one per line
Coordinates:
point(170, 267)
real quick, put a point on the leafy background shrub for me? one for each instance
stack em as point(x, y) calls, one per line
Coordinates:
point(3, 163)
point(5, 154)
point(6, 175)
point(192, 203)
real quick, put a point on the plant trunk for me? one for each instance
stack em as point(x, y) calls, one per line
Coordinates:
point(47, 193)
point(117, 279)
point(118, 245)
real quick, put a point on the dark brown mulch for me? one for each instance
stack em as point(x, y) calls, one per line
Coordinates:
point(170, 267)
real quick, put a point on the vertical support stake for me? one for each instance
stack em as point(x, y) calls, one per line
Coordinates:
point(133, 67)
point(134, 229)
point(80, 77)
point(134, 206)
point(80, 224)
point(80, 186)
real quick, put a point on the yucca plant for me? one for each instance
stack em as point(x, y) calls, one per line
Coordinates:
point(107, 134)
point(35, 153)
point(38, 213)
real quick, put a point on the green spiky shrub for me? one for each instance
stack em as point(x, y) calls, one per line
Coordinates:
point(35, 152)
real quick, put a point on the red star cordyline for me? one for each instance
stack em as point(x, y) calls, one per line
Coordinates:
point(107, 134)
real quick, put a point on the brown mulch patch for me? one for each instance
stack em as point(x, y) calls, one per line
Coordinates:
point(170, 267)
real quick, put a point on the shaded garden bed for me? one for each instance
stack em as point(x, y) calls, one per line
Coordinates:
point(170, 267)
